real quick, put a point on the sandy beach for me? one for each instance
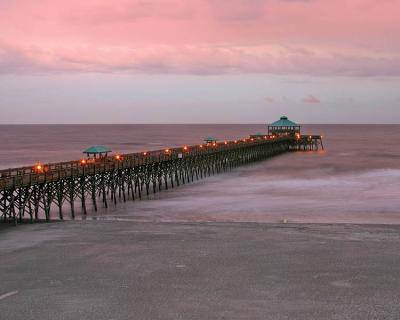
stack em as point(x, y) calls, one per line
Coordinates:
point(130, 270)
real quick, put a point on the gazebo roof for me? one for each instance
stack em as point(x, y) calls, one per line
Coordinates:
point(97, 149)
point(284, 122)
point(259, 134)
point(210, 139)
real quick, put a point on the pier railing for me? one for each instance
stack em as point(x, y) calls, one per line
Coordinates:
point(30, 192)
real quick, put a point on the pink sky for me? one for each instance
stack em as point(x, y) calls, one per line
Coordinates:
point(156, 61)
point(316, 37)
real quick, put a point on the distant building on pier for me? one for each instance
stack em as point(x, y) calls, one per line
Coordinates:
point(283, 127)
point(210, 140)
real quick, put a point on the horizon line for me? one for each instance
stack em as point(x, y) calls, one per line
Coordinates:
point(179, 123)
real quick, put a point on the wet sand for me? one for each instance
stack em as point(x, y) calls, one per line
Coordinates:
point(131, 270)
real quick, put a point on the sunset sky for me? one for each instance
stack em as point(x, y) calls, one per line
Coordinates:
point(199, 61)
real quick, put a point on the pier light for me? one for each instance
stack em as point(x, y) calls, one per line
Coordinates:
point(118, 157)
point(145, 153)
point(225, 142)
point(214, 144)
point(201, 146)
point(167, 151)
point(83, 161)
point(38, 167)
point(185, 148)
point(252, 139)
point(235, 141)
point(297, 136)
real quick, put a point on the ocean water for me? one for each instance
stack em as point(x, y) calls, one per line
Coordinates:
point(355, 180)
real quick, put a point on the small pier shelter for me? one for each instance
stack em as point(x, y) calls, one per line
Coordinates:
point(210, 140)
point(97, 152)
point(283, 127)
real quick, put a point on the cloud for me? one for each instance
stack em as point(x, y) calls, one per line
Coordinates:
point(269, 99)
point(201, 37)
point(238, 10)
point(192, 59)
point(311, 99)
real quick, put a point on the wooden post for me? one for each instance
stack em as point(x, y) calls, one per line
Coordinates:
point(67, 181)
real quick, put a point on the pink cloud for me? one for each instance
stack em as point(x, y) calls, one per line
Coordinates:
point(201, 36)
point(311, 99)
point(269, 99)
point(190, 59)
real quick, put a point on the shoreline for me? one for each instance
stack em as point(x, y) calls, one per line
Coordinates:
point(9, 225)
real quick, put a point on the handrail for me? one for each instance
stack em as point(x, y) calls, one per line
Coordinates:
point(24, 176)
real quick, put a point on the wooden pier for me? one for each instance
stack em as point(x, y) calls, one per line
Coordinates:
point(59, 190)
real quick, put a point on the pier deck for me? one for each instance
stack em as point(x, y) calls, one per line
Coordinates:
point(30, 193)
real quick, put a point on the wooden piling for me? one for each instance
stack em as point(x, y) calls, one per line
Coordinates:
point(25, 190)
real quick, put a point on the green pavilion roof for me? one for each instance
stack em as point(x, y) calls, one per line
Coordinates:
point(259, 134)
point(284, 122)
point(97, 149)
point(210, 139)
